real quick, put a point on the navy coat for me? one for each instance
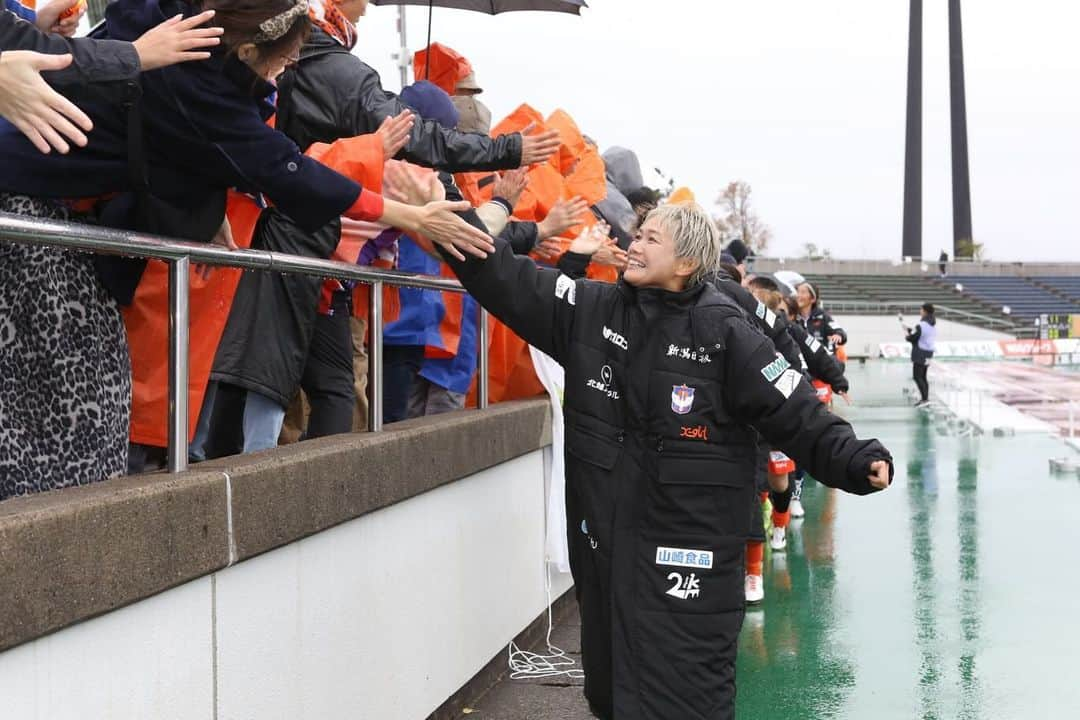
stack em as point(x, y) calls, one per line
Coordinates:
point(205, 131)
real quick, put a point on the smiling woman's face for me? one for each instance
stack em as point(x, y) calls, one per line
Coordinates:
point(652, 259)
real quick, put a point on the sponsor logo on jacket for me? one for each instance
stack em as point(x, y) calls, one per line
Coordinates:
point(566, 289)
point(787, 382)
point(681, 557)
point(765, 314)
point(682, 399)
point(775, 369)
point(615, 338)
point(698, 432)
point(686, 353)
point(684, 588)
point(604, 383)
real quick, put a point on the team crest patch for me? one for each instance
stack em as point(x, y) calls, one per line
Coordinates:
point(682, 399)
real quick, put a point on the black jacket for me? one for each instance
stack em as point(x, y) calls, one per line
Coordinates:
point(95, 63)
point(265, 343)
point(772, 325)
point(819, 362)
point(661, 392)
point(332, 94)
point(820, 325)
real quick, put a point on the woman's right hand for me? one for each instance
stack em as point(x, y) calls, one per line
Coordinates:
point(177, 40)
point(437, 222)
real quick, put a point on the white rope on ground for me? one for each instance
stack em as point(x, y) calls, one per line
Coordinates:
point(526, 665)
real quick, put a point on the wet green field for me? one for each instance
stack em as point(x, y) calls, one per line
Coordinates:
point(954, 594)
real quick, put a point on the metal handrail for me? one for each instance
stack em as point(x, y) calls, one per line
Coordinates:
point(182, 255)
point(855, 305)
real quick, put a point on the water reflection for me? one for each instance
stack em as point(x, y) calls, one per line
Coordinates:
point(922, 491)
point(791, 663)
point(967, 523)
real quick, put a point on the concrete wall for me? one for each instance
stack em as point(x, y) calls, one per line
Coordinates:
point(361, 576)
point(867, 332)
point(384, 616)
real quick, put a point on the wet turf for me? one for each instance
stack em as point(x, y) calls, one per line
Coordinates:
point(952, 595)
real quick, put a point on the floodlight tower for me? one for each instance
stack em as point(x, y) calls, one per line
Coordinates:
point(912, 234)
point(961, 181)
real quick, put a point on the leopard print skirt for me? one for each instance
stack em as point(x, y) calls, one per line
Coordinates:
point(65, 374)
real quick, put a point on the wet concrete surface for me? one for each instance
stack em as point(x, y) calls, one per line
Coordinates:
point(951, 596)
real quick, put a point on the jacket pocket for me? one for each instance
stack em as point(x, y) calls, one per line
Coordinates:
point(690, 574)
point(676, 468)
point(591, 440)
point(701, 494)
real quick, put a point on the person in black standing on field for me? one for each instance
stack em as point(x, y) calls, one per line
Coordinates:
point(660, 453)
point(923, 339)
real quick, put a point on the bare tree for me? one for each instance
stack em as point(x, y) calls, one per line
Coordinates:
point(812, 252)
point(739, 220)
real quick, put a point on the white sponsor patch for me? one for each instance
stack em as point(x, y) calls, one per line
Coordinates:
point(566, 289)
point(766, 315)
point(812, 343)
point(615, 338)
point(787, 383)
point(684, 558)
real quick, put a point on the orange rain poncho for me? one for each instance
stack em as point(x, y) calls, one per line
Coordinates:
point(448, 67)
point(575, 170)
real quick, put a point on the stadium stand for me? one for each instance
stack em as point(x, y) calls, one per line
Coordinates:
point(1067, 286)
point(889, 294)
point(1025, 298)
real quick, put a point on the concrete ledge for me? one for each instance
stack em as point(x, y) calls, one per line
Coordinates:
point(70, 555)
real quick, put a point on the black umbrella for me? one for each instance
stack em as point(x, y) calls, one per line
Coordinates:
point(491, 7)
point(494, 7)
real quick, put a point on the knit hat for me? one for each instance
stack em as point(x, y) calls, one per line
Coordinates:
point(431, 103)
point(738, 250)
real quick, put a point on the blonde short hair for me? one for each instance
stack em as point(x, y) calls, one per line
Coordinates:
point(695, 235)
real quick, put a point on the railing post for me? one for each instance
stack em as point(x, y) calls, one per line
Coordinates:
point(179, 274)
point(482, 382)
point(375, 358)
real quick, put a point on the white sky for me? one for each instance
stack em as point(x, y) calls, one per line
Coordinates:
point(804, 100)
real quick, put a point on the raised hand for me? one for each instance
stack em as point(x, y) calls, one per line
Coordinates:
point(438, 223)
point(177, 40)
point(537, 148)
point(511, 184)
point(611, 254)
point(589, 240)
point(564, 215)
point(60, 18)
point(43, 115)
point(411, 185)
point(394, 133)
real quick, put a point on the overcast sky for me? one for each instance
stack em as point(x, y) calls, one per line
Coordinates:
point(805, 101)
